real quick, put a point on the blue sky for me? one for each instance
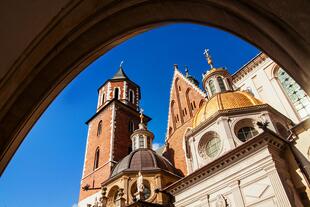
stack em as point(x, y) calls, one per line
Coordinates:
point(47, 168)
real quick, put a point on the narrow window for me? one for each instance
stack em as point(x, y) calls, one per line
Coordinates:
point(221, 84)
point(185, 111)
point(194, 104)
point(179, 88)
point(99, 129)
point(96, 160)
point(131, 126)
point(141, 141)
point(212, 87)
point(131, 97)
point(116, 93)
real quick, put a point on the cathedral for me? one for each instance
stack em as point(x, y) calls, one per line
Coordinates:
point(240, 140)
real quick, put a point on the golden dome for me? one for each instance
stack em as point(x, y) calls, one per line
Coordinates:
point(224, 101)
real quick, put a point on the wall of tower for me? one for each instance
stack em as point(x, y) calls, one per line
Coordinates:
point(92, 176)
point(114, 143)
point(185, 99)
point(122, 142)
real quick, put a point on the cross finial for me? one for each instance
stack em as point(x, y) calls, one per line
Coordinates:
point(208, 57)
point(141, 115)
point(121, 64)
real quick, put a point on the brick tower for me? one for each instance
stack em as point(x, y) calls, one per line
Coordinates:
point(109, 130)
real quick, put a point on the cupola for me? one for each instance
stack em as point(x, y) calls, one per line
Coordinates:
point(215, 80)
point(142, 138)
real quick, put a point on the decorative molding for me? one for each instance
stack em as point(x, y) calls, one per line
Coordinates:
point(109, 92)
point(249, 67)
point(125, 91)
point(112, 126)
point(265, 139)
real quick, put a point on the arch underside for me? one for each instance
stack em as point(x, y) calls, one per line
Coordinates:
point(84, 30)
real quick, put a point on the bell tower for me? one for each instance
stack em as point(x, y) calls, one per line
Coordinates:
point(109, 130)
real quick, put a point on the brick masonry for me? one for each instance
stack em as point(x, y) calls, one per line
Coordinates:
point(185, 99)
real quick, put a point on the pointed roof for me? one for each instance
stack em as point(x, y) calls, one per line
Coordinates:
point(120, 74)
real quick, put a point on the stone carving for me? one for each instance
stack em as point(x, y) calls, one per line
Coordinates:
point(220, 201)
point(140, 186)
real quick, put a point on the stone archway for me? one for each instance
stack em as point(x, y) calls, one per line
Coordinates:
point(81, 31)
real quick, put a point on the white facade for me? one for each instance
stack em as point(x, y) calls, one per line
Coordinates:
point(251, 177)
point(259, 76)
point(259, 171)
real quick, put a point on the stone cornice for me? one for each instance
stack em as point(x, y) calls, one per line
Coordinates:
point(248, 67)
point(266, 139)
point(134, 172)
point(120, 104)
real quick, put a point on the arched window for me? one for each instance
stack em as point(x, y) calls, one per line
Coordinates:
point(297, 96)
point(246, 133)
point(245, 129)
point(221, 84)
point(116, 93)
point(212, 87)
point(96, 160)
point(131, 126)
point(99, 129)
point(141, 141)
point(131, 97)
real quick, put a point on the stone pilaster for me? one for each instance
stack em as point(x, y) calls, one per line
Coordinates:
point(236, 192)
point(277, 185)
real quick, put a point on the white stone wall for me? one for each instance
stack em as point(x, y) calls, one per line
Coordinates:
point(225, 128)
point(263, 83)
point(252, 181)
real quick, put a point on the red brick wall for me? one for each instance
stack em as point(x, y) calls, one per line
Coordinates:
point(121, 144)
point(183, 95)
point(103, 142)
point(122, 139)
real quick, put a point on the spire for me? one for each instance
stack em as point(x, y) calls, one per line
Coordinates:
point(120, 74)
point(208, 58)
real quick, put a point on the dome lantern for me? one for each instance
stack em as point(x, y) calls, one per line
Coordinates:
point(215, 80)
point(142, 137)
